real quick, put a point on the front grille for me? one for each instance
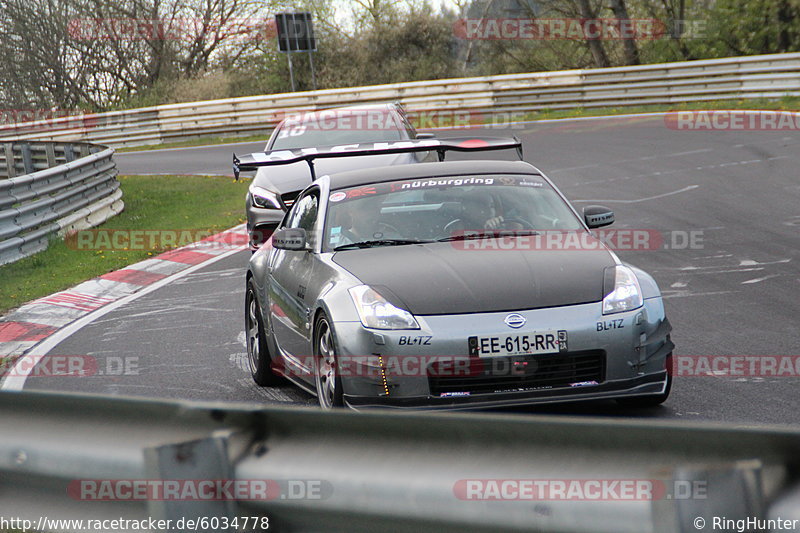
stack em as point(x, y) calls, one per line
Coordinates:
point(520, 373)
point(289, 198)
point(261, 234)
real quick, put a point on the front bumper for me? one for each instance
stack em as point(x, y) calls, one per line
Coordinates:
point(261, 223)
point(602, 359)
point(648, 384)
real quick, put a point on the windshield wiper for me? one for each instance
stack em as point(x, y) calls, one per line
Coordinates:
point(378, 242)
point(487, 235)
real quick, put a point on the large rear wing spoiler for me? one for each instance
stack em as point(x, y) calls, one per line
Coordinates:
point(440, 146)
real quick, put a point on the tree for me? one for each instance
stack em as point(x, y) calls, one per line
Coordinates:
point(96, 53)
point(629, 45)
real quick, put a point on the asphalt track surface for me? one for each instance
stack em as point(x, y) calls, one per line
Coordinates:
point(735, 293)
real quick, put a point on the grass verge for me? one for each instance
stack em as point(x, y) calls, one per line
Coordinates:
point(151, 203)
point(788, 103)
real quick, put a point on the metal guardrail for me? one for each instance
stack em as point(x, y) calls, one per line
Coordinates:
point(49, 188)
point(764, 76)
point(386, 471)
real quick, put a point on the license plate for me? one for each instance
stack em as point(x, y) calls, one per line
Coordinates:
point(532, 343)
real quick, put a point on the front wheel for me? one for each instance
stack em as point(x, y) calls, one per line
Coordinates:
point(329, 384)
point(258, 354)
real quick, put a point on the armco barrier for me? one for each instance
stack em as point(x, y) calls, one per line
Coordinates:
point(764, 76)
point(65, 456)
point(49, 188)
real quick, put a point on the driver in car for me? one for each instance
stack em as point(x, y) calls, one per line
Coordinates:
point(361, 224)
point(481, 213)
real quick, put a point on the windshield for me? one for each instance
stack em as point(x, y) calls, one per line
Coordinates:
point(439, 209)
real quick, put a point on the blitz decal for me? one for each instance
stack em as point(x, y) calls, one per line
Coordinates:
point(610, 324)
point(410, 340)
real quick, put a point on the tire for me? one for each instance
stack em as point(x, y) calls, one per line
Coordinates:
point(326, 368)
point(654, 399)
point(258, 355)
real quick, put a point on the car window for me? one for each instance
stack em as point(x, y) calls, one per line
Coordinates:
point(438, 208)
point(304, 212)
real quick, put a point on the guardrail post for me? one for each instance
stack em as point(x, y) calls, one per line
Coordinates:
point(192, 462)
point(50, 152)
point(691, 497)
point(27, 158)
point(11, 172)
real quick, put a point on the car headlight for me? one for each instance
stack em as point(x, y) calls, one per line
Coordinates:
point(377, 313)
point(264, 198)
point(622, 290)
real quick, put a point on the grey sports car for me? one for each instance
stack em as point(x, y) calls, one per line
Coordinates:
point(449, 285)
point(273, 191)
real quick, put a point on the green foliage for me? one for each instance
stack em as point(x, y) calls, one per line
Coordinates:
point(747, 28)
point(413, 46)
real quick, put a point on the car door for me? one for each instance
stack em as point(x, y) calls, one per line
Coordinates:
point(289, 275)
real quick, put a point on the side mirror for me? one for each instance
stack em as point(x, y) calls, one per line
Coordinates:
point(597, 216)
point(426, 135)
point(290, 239)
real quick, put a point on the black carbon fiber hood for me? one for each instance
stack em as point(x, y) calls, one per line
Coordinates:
point(435, 279)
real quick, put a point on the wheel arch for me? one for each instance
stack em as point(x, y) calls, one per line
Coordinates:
point(320, 309)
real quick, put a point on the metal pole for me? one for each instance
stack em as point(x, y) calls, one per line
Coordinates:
point(288, 44)
point(310, 44)
point(291, 71)
point(311, 62)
